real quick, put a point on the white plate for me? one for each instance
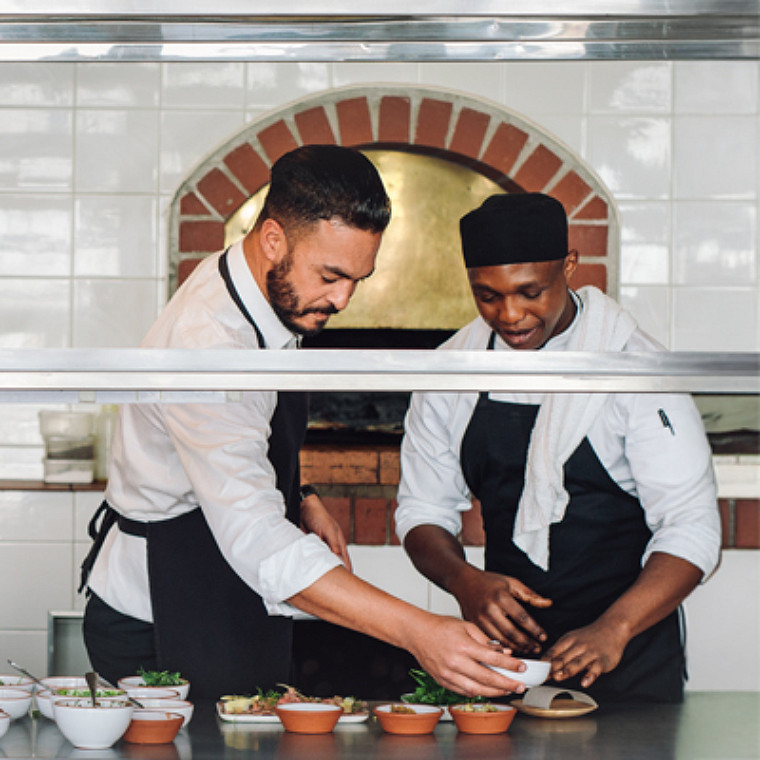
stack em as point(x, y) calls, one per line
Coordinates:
point(248, 718)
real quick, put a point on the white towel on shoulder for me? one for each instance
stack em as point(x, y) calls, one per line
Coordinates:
point(562, 423)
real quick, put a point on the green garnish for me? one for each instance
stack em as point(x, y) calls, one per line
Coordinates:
point(160, 677)
point(430, 692)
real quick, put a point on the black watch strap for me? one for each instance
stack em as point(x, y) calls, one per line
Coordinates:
point(307, 490)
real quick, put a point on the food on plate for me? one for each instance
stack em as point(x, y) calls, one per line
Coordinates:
point(430, 692)
point(264, 703)
point(160, 677)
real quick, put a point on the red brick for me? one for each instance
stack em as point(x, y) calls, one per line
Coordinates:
point(340, 508)
point(590, 274)
point(201, 237)
point(190, 205)
point(538, 169)
point(433, 123)
point(220, 192)
point(505, 147)
point(469, 132)
point(314, 127)
point(571, 191)
point(596, 208)
point(587, 239)
point(390, 468)
point(248, 166)
point(747, 524)
point(276, 140)
point(354, 122)
point(392, 537)
point(371, 522)
point(725, 507)
point(472, 526)
point(185, 269)
point(351, 466)
point(394, 119)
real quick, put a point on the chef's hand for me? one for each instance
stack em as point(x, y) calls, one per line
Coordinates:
point(453, 650)
point(317, 520)
point(493, 602)
point(595, 649)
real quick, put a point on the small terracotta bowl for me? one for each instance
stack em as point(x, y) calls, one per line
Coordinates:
point(153, 727)
point(482, 718)
point(422, 720)
point(308, 717)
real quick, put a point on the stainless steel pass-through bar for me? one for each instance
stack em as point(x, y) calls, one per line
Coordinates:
point(150, 375)
point(442, 30)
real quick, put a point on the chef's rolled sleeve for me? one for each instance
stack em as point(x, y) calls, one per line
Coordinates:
point(671, 464)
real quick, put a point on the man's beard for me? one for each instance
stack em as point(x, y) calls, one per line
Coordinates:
point(284, 300)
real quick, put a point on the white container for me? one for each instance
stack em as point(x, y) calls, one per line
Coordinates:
point(15, 702)
point(66, 424)
point(69, 470)
point(63, 447)
point(105, 424)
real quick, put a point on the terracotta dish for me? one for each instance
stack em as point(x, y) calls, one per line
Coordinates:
point(308, 717)
point(153, 727)
point(482, 718)
point(401, 718)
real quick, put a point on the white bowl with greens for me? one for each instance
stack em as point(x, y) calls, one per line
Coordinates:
point(46, 697)
point(160, 679)
point(17, 682)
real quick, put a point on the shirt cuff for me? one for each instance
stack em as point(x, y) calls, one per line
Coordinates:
point(291, 570)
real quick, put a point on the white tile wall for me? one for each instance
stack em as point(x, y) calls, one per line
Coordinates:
point(91, 155)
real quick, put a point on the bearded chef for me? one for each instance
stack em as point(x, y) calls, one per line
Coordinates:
point(207, 541)
point(600, 509)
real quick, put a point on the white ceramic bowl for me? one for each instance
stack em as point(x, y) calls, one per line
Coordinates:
point(536, 672)
point(15, 702)
point(151, 692)
point(17, 682)
point(5, 722)
point(45, 698)
point(181, 706)
point(89, 727)
point(137, 682)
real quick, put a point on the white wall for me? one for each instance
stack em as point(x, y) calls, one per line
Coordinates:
point(91, 154)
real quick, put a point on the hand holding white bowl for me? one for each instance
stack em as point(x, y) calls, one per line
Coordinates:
point(535, 673)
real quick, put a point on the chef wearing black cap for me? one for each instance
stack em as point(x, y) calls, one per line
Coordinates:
point(600, 510)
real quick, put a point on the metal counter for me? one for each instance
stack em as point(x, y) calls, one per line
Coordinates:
point(708, 726)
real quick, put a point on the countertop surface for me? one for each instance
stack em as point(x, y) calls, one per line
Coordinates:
point(715, 725)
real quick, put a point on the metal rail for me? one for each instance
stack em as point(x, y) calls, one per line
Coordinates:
point(291, 30)
point(151, 375)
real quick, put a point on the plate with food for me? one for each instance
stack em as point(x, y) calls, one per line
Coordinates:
point(260, 707)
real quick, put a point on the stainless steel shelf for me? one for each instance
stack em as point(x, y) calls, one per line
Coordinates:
point(146, 375)
point(292, 30)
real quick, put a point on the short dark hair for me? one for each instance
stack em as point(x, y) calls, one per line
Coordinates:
point(316, 182)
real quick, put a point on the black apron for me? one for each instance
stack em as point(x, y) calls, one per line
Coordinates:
point(595, 551)
point(208, 623)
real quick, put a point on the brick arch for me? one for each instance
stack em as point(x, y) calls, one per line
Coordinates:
point(494, 141)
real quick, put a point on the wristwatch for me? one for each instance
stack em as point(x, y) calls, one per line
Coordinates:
point(307, 490)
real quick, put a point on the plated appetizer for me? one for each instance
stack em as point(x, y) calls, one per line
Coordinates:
point(262, 705)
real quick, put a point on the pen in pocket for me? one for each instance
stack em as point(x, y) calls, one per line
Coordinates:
point(665, 421)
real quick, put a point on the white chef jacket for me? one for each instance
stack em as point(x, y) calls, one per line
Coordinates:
point(669, 470)
point(168, 459)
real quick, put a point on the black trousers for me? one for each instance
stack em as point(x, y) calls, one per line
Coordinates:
point(118, 645)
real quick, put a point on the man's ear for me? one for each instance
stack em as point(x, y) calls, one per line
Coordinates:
point(570, 264)
point(274, 244)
